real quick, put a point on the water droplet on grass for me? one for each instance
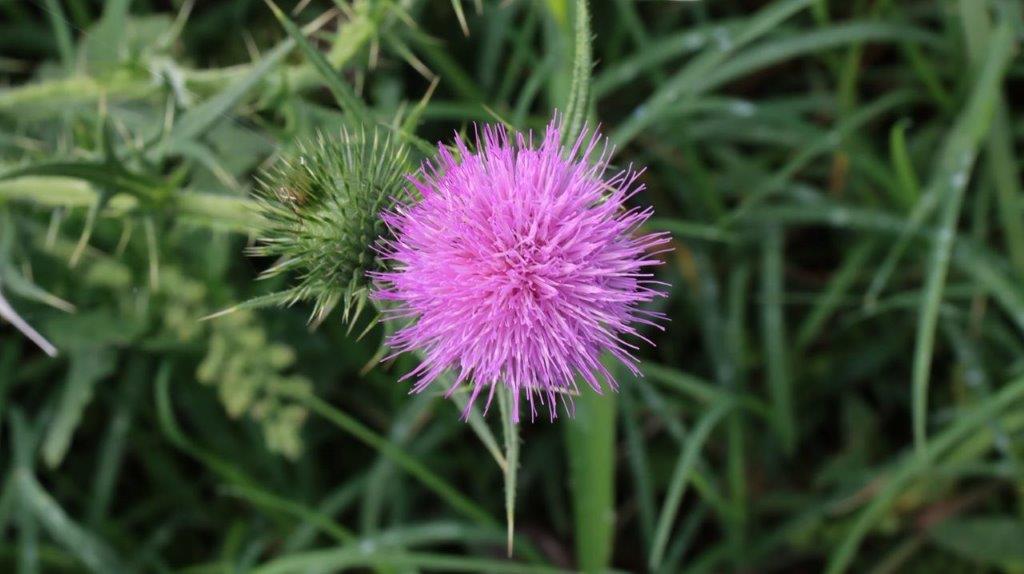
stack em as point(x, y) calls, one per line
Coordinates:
point(743, 108)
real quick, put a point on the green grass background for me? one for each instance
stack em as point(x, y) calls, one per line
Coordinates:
point(840, 388)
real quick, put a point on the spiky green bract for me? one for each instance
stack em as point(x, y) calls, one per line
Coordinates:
point(322, 205)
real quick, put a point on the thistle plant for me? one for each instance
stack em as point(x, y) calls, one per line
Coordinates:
point(840, 391)
point(322, 205)
point(520, 265)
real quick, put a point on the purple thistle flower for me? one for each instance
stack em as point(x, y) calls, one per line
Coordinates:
point(520, 266)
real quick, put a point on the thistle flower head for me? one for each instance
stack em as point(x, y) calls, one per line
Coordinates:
point(519, 265)
point(322, 206)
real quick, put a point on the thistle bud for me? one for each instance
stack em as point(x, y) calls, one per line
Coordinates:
point(322, 205)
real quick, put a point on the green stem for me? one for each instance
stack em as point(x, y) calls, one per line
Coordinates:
point(590, 441)
point(228, 212)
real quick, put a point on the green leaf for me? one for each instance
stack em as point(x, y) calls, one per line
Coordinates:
point(23, 443)
point(200, 119)
point(788, 47)
point(48, 191)
point(91, 329)
point(172, 431)
point(275, 299)
point(88, 366)
point(825, 142)
point(989, 540)
point(476, 422)
point(112, 451)
point(437, 54)
point(691, 386)
point(103, 45)
point(625, 70)
point(981, 264)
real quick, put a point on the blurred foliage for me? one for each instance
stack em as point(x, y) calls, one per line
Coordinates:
point(247, 370)
point(840, 387)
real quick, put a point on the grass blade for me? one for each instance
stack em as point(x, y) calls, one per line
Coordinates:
point(978, 263)
point(91, 551)
point(460, 14)
point(680, 477)
point(828, 141)
point(949, 184)
point(198, 120)
point(62, 31)
point(105, 42)
point(110, 459)
point(668, 94)
point(686, 383)
point(401, 433)
point(999, 145)
point(353, 558)
point(691, 230)
point(916, 464)
point(837, 288)
point(307, 515)
point(638, 461)
point(438, 485)
point(347, 100)
point(774, 334)
point(87, 367)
